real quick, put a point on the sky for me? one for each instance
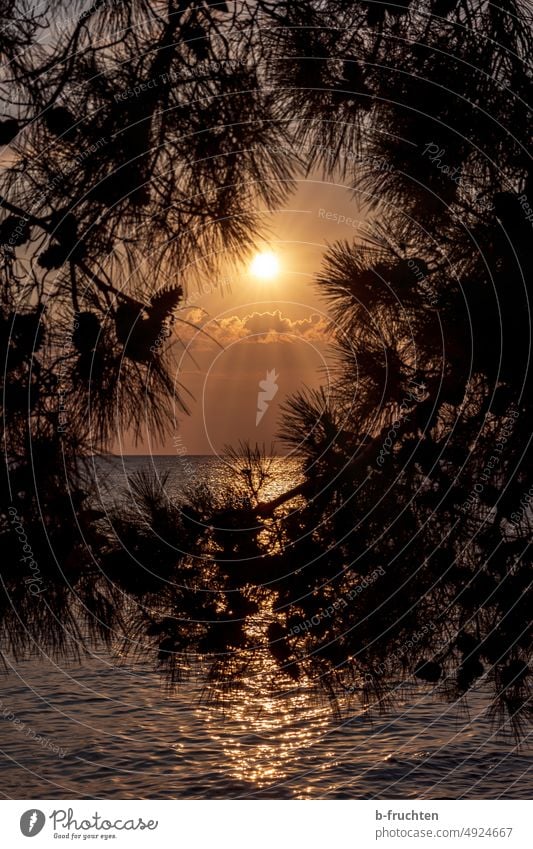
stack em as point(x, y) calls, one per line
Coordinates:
point(276, 332)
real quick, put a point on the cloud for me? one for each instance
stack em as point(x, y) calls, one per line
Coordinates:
point(263, 327)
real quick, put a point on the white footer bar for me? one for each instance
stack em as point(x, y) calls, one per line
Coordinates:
point(267, 824)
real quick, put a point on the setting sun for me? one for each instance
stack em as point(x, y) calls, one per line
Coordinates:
point(265, 265)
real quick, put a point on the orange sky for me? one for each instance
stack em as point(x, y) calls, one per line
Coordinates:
point(280, 325)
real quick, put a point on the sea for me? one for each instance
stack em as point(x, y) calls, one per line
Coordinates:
point(106, 727)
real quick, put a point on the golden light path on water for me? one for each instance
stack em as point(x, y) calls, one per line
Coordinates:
point(268, 732)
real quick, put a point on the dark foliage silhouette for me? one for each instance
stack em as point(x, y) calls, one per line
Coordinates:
point(147, 140)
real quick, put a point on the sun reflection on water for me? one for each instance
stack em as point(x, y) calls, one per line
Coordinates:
point(264, 735)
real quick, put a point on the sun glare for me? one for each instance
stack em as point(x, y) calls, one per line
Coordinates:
point(265, 265)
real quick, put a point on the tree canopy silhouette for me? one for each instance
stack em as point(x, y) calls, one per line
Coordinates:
point(145, 140)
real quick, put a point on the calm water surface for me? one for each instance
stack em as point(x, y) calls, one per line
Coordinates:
point(122, 734)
